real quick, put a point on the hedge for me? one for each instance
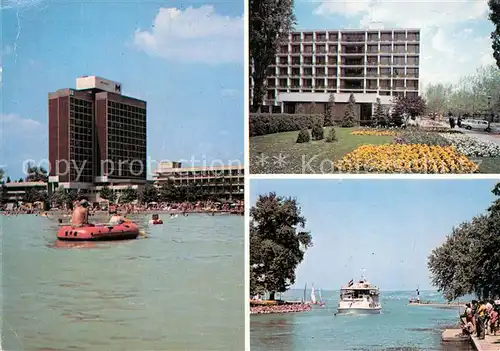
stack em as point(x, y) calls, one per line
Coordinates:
point(262, 124)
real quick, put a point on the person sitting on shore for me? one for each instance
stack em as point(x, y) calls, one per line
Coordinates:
point(493, 319)
point(80, 214)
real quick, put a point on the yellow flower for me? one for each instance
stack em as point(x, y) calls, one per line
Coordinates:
point(373, 132)
point(398, 158)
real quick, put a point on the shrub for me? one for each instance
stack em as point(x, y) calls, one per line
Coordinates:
point(262, 124)
point(349, 119)
point(332, 137)
point(304, 136)
point(318, 132)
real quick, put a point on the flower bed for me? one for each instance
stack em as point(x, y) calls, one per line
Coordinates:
point(473, 147)
point(374, 132)
point(402, 158)
point(415, 136)
point(442, 130)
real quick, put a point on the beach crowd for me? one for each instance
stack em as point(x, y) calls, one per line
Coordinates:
point(211, 207)
point(480, 317)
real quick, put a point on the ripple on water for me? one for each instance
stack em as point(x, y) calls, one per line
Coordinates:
point(126, 294)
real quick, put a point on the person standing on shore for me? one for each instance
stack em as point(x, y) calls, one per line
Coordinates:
point(480, 319)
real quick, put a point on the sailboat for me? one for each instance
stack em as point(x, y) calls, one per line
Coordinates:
point(321, 303)
point(313, 296)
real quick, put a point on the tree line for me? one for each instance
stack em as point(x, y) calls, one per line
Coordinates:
point(167, 192)
point(469, 260)
point(475, 94)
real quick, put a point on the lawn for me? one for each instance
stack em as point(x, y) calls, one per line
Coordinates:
point(279, 153)
point(489, 165)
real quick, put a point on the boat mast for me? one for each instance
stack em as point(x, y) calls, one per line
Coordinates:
point(304, 299)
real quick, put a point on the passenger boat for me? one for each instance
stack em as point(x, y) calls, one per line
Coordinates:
point(361, 297)
point(99, 232)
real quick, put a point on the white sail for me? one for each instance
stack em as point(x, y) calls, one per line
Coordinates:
point(320, 298)
point(313, 297)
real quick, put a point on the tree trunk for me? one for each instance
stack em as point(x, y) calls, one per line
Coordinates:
point(272, 295)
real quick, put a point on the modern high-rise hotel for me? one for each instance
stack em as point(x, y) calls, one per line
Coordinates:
point(369, 63)
point(96, 135)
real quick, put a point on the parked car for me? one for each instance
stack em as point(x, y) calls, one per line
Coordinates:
point(477, 124)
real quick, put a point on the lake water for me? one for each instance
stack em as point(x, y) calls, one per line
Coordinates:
point(182, 288)
point(399, 327)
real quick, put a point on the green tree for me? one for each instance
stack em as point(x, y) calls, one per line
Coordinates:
point(438, 97)
point(304, 136)
point(21, 180)
point(379, 115)
point(33, 195)
point(469, 95)
point(3, 194)
point(494, 17)
point(301, 110)
point(64, 197)
point(169, 192)
point(58, 197)
point(270, 22)
point(349, 119)
point(468, 261)
point(148, 194)
point(107, 194)
point(8, 179)
point(318, 133)
point(35, 173)
point(128, 195)
point(2, 173)
point(277, 243)
point(330, 110)
point(312, 108)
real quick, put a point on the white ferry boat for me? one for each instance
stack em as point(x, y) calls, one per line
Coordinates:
point(360, 297)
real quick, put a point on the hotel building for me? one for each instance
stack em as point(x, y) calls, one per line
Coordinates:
point(224, 182)
point(370, 63)
point(97, 136)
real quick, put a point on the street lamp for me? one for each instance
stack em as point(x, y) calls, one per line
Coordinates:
point(489, 107)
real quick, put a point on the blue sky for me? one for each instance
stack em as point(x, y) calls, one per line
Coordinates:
point(455, 35)
point(387, 227)
point(184, 58)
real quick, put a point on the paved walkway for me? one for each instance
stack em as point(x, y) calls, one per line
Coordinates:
point(489, 343)
point(484, 136)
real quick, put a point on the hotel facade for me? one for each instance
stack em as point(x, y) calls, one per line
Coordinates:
point(371, 64)
point(223, 182)
point(97, 136)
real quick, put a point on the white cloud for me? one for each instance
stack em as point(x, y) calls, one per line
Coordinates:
point(194, 35)
point(13, 122)
point(9, 4)
point(450, 48)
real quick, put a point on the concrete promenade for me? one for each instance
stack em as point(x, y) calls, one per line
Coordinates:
point(489, 343)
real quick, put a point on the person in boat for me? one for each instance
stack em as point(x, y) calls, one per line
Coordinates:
point(80, 216)
point(117, 219)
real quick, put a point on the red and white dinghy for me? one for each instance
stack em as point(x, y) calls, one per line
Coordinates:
point(99, 232)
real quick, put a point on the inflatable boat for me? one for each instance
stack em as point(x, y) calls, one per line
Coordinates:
point(99, 232)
